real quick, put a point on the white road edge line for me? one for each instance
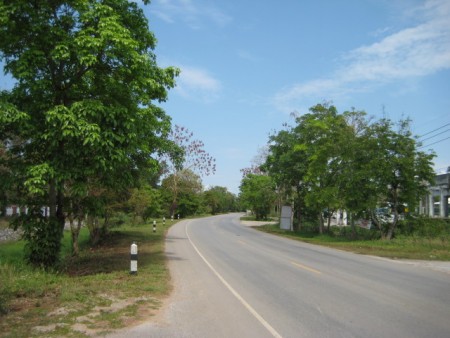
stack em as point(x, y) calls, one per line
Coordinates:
point(234, 292)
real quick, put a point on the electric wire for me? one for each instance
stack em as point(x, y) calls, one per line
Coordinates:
point(439, 141)
point(445, 125)
point(442, 132)
point(421, 139)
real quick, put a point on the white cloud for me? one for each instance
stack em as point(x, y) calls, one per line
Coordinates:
point(197, 84)
point(191, 12)
point(410, 53)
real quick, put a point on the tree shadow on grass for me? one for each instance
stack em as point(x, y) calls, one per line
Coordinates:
point(112, 254)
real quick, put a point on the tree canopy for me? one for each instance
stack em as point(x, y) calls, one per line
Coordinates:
point(258, 194)
point(82, 111)
point(329, 161)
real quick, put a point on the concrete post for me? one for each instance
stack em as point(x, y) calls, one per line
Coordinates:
point(133, 258)
point(443, 203)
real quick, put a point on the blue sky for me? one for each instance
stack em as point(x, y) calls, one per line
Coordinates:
point(246, 65)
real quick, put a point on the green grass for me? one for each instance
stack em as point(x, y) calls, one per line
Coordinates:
point(94, 291)
point(405, 247)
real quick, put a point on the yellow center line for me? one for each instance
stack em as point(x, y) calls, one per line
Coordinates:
point(306, 267)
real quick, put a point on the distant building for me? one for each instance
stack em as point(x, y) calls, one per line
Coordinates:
point(436, 203)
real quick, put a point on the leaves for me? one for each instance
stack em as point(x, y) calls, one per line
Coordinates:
point(258, 194)
point(342, 161)
point(82, 108)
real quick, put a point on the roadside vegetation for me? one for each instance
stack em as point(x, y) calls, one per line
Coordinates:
point(420, 238)
point(93, 293)
point(329, 163)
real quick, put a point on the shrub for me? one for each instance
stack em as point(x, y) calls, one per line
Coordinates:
point(424, 226)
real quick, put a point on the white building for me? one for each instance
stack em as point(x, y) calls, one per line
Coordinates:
point(437, 202)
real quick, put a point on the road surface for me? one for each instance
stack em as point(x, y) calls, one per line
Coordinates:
point(233, 281)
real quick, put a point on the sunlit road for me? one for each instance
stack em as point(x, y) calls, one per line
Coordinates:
point(234, 281)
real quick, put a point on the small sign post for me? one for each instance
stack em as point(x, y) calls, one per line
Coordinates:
point(133, 258)
point(286, 218)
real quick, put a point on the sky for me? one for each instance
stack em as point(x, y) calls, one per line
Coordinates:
point(246, 65)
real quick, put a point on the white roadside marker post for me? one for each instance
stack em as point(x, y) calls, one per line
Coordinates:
point(133, 258)
point(154, 226)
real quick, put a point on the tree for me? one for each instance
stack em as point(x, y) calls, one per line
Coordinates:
point(398, 172)
point(287, 166)
point(82, 105)
point(357, 195)
point(188, 190)
point(322, 134)
point(257, 163)
point(219, 200)
point(306, 160)
point(258, 194)
point(344, 161)
point(145, 202)
point(190, 158)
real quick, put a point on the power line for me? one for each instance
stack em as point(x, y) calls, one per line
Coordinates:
point(445, 125)
point(435, 142)
point(442, 132)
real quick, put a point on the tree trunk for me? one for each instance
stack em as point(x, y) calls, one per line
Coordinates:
point(60, 211)
point(391, 229)
point(330, 214)
point(52, 198)
point(321, 223)
point(75, 232)
point(352, 224)
point(377, 223)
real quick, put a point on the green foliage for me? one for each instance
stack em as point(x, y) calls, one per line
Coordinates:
point(258, 194)
point(330, 161)
point(145, 202)
point(43, 236)
point(81, 118)
point(219, 200)
point(182, 170)
point(425, 227)
point(181, 192)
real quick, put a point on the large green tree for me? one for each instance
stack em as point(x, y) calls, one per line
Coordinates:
point(287, 166)
point(322, 135)
point(398, 172)
point(192, 159)
point(82, 104)
point(346, 161)
point(185, 199)
point(219, 200)
point(258, 194)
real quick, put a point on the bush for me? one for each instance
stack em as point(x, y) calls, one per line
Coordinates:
point(43, 239)
point(424, 226)
point(119, 218)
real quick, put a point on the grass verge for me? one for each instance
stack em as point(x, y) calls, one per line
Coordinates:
point(405, 247)
point(88, 295)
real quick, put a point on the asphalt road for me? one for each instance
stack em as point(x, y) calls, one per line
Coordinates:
point(233, 281)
